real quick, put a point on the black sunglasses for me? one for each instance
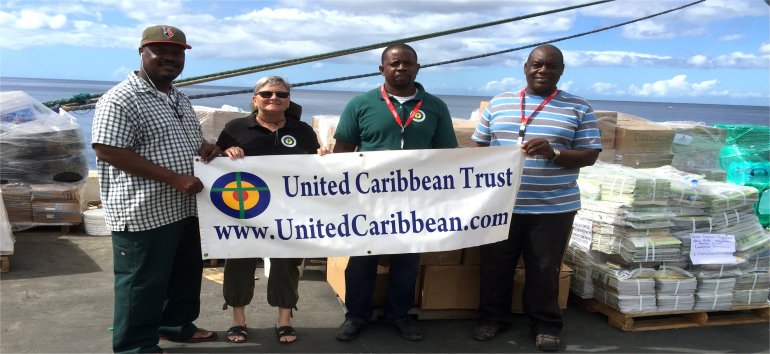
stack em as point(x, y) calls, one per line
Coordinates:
point(269, 94)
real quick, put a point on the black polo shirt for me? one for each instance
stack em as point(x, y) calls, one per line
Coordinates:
point(295, 137)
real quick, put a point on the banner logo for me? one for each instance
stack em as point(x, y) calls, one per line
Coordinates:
point(240, 195)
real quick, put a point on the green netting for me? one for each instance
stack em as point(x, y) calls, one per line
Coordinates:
point(744, 143)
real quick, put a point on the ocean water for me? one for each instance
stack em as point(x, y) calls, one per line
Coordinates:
point(322, 102)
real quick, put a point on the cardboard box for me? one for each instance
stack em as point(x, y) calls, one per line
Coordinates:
point(457, 287)
point(607, 155)
point(482, 106)
point(324, 127)
point(56, 213)
point(471, 256)
point(449, 288)
point(442, 258)
point(643, 160)
point(213, 121)
point(92, 190)
point(335, 276)
point(464, 129)
point(607, 120)
point(638, 135)
point(18, 202)
point(464, 137)
point(56, 192)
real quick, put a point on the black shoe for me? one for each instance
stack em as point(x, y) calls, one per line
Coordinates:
point(547, 342)
point(349, 330)
point(408, 330)
point(485, 331)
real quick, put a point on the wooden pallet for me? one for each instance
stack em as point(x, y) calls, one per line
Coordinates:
point(645, 321)
point(5, 264)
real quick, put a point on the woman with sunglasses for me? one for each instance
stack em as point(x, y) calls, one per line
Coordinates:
point(273, 128)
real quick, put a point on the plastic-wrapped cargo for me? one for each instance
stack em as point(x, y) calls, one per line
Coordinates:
point(745, 142)
point(696, 148)
point(746, 154)
point(640, 143)
point(38, 145)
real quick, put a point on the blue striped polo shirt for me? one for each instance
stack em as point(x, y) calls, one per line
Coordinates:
point(567, 122)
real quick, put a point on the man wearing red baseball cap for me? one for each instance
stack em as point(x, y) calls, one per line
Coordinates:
point(145, 135)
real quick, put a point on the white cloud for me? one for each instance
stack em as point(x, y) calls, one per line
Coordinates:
point(504, 84)
point(678, 86)
point(30, 20)
point(614, 58)
point(738, 60)
point(764, 49)
point(731, 37)
point(690, 21)
point(649, 29)
point(566, 85)
point(698, 60)
point(603, 87)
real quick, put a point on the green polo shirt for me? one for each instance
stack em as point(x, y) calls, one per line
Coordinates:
point(368, 123)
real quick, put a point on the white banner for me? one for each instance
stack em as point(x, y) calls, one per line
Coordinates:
point(352, 204)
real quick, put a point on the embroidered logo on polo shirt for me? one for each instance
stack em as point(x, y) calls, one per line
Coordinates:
point(240, 195)
point(419, 116)
point(288, 141)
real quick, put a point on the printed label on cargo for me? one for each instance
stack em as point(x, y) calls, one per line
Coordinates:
point(682, 139)
point(712, 249)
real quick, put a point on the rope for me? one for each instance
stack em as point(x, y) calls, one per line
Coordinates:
point(359, 76)
point(312, 58)
point(345, 78)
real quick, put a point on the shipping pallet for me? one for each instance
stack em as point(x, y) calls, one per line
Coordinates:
point(647, 321)
point(5, 264)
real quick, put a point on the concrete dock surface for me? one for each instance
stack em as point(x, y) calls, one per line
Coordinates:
point(58, 297)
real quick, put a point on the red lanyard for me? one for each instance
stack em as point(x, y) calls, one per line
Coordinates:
point(395, 113)
point(525, 119)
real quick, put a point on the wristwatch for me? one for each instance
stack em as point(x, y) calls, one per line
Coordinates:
point(556, 153)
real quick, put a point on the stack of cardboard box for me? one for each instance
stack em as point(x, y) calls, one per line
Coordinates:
point(448, 280)
point(56, 203)
point(636, 142)
point(30, 205)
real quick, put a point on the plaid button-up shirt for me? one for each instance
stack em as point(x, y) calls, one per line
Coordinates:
point(133, 115)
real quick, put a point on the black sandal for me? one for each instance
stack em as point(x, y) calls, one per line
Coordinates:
point(237, 331)
point(286, 331)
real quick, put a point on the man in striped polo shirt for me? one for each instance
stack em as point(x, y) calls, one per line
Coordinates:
point(559, 134)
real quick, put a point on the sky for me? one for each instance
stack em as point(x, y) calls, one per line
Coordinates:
point(715, 52)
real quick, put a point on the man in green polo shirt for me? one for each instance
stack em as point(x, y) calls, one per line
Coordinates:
point(398, 115)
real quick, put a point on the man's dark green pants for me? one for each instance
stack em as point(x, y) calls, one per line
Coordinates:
point(157, 285)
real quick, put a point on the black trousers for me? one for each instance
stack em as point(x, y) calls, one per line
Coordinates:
point(541, 239)
point(282, 283)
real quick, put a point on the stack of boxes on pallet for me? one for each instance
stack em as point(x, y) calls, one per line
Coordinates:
point(641, 212)
point(447, 280)
point(44, 167)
